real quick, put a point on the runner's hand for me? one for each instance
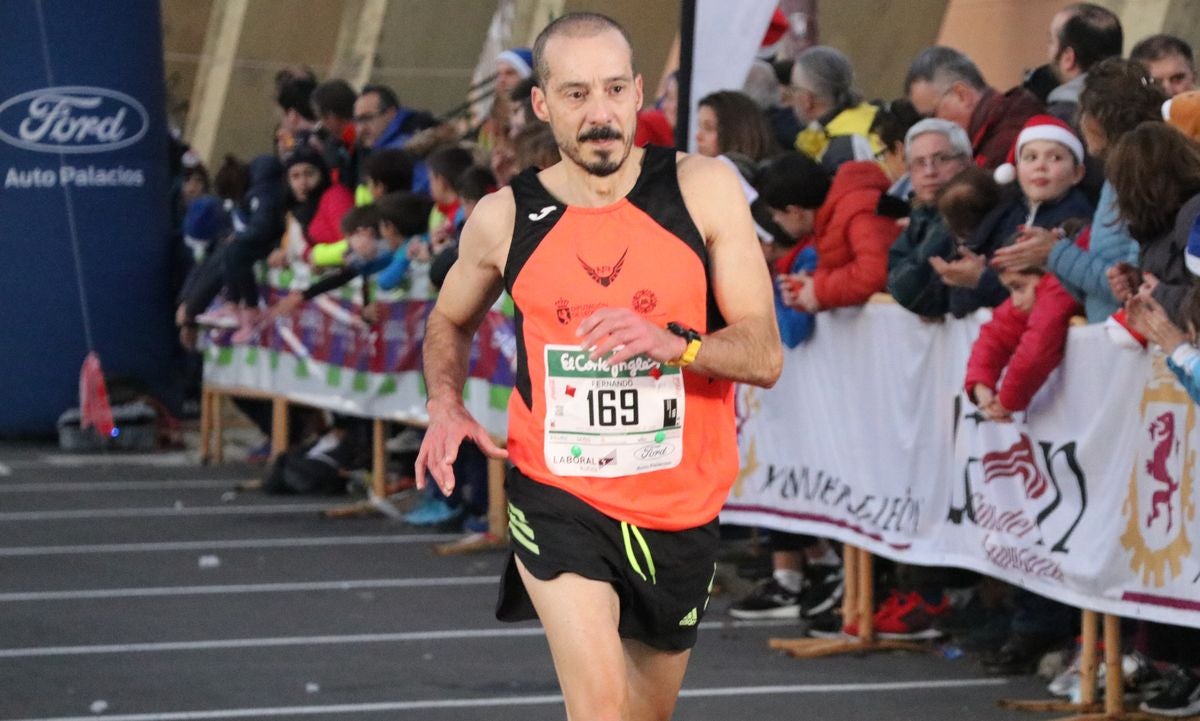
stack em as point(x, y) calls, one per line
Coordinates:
point(449, 425)
point(626, 334)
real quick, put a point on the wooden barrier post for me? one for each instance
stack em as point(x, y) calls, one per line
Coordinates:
point(1087, 659)
point(218, 411)
point(850, 584)
point(279, 425)
point(205, 423)
point(866, 597)
point(1114, 676)
point(378, 459)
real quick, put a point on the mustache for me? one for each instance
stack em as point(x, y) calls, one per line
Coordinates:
point(601, 133)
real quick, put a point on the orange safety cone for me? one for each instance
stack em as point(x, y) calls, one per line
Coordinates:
point(94, 409)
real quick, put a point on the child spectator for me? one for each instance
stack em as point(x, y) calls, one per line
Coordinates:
point(850, 239)
point(445, 165)
point(1117, 96)
point(474, 183)
point(1049, 164)
point(1024, 346)
point(257, 222)
point(386, 171)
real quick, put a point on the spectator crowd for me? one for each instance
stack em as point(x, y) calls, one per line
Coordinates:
point(1072, 198)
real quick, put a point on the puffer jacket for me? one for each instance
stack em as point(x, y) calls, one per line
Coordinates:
point(1165, 258)
point(1030, 345)
point(851, 240)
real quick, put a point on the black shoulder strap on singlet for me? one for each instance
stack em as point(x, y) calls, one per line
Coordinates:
point(657, 194)
point(537, 212)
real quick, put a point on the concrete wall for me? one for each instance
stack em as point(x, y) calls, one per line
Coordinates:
point(880, 37)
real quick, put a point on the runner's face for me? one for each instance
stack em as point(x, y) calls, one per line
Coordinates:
point(590, 97)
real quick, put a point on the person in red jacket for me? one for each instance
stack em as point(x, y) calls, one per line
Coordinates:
point(1027, 335)
point(850, 239)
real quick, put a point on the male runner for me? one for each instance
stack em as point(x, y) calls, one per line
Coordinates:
point(621, 429)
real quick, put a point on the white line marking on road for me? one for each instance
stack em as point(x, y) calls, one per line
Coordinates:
point(159, 592)
point(242, 643)
point(16, 551)
point(540, 700)
point(5, 470)
point(147, 485)
point(84, 460)
point(96, 513)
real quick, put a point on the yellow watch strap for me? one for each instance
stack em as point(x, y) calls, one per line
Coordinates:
point(689, 354)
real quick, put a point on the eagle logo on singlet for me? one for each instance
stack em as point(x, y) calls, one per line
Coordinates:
point(605, 275)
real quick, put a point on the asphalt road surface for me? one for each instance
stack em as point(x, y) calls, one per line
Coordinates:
point(143, 587)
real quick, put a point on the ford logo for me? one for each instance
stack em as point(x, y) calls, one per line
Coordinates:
point(72, 119)
point(653, 452)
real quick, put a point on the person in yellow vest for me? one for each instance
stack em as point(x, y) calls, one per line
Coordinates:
point(837, 122)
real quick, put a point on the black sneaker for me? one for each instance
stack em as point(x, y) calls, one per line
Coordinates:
point(1181, 697)
point(769, 600)
point(824, 590)
point(1020, 654)
point(826, 625)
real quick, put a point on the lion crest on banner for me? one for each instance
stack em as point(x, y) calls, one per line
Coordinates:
point(1160, 500)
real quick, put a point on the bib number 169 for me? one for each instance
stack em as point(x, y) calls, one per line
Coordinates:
point(608, 407)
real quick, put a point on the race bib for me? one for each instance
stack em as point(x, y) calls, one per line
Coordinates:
point(611, 420)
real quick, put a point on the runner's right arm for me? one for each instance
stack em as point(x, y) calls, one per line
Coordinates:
point(471, 287)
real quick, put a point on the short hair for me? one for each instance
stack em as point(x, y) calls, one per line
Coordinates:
point(828, 74)
point(474, 183)
point(362, 216)
point(761, 85)
point(1119, 95)
point(892, 121)
point(535, 147)
point(793, 179)
point(575, 25)
point(449, 162)
point(942, 65)
point(387, 96)
point(409, 212)
point(334, 97)
point(952, 131)
point(296, 94)
point(969, 196)
point(741, 125)
point(293, 72)
point(1093, 32)
point(232, 179)
point(392, 168)
point(1157, 47)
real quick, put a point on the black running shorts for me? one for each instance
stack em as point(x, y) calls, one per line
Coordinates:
point(662, 578)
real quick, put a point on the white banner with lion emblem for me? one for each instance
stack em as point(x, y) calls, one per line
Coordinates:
point(1088, 498)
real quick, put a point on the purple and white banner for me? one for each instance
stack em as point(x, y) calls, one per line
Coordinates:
point(1088, 498)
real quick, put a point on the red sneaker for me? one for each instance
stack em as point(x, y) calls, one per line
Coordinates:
point(890, 607)
point(913, 618)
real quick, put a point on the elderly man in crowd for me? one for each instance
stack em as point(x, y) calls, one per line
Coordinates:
point(943, 83)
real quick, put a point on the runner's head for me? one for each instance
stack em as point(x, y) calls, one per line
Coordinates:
point(587, 90)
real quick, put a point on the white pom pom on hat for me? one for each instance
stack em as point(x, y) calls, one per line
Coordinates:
point(1005, 174)
point(1039, 127)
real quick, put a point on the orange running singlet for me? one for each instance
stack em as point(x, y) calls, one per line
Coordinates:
point(644, 442)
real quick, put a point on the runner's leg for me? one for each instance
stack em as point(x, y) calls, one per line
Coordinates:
point(580, 617)
point(654, 680)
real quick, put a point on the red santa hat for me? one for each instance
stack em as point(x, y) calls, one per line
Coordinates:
point(777, 30)
point(1039, 127)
